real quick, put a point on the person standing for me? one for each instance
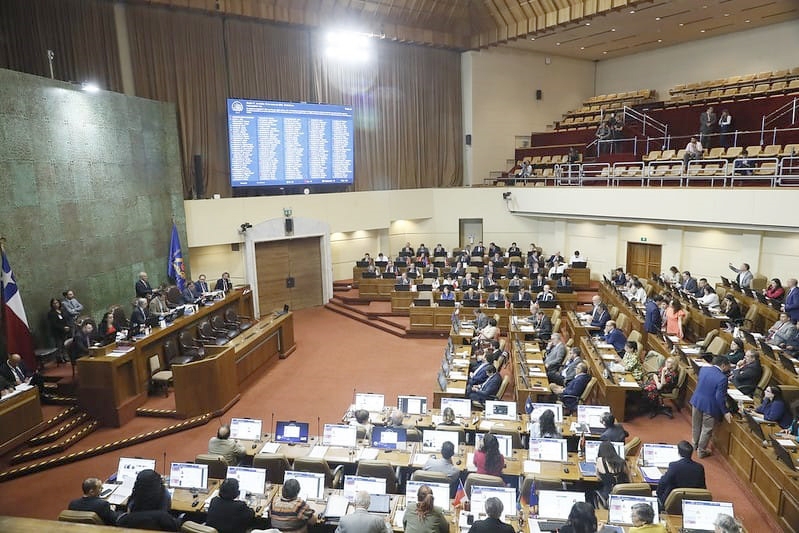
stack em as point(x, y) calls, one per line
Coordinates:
point(725, 127)
point(707, 124)
point(708, 403)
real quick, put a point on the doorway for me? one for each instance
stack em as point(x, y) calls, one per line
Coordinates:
point(470, 231)
point(289, 272)
point(643, 259)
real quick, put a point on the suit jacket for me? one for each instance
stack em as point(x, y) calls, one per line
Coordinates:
point(792, 303)
point(599, 319)
point(621, 279)
point(574, 389)
point(202, 286)
point(488, 390)
point(480, 374)
point(652, 318)
point(478, 250)
point(95, 505)
point(229, 516)
point(689, 285)
point(683, 473)
point(362, 522)
point(143, 289)
point(80, 345)
point(570, 370)
point(491, 525)
point(545, 296)
point(710, 396)
point(617, 339)
point(223, 285)
point(544, 326)
point(745, 378)
point(9, 375)
point(554, 356)
point(138, 316)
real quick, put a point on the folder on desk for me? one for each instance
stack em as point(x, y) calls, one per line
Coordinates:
point(587, 469)
point(270, 447)
point(318, 452)
point(336, 506)
point(651, 473)
point(456, 390)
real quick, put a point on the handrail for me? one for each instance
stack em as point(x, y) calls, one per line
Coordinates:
point(645, 120)
point(777, 114)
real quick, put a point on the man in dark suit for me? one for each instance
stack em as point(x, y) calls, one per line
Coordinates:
point(490, 387)
point(619, 278)
point(614, 336)
point(600, 316)
point(709, 403)
point(689, 284)
point(652, 317)
point(202, 285)
point(747, 372)
point(227, 514)
point(683, 473)
point(190, 294)
point(479, 249)
point(543, 326)
point(791, 299)
point(13, 370)
point(143, 288)
point(480, 374)
point(224, 283)
point(492, 524)
point(471, 295)
point(82, 340)
point(570, 394)
point(139, 314)
point(496, 297)
point(92, 502)
point(521, 296)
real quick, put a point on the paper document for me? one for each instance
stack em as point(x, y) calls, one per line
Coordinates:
point(608, 357)
point(651, 472)
point(535, 361)
point(270, 447)
point(456, 390)
point(738, 396)
point(368, 454)
point(536, 374)
point(336, 506)
point(532, 467)
point(318, 452)
point(629, 384)
point(470, 462)
point(121, 494)
point(420, 459)
point(787, 443)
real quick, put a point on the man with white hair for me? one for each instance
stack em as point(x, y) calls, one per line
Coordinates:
point(492, 523)
point(361, 521)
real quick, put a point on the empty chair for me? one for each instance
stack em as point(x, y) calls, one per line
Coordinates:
point(509, 429)
point(733, 152)
point(704, 343)
point(220, 328)
point(718, 346)
point(716, 153)
point(540, 484)
point(80, 517)
point(193, 527)
point(159, 379)
point(192, 348)
point(429, 476)
point(767, 168)
point(241, 322)
point(790, 149)
point(379, 469)
point(482, 480)
point(667, 155)
point(631, 448)
point(753, 150)
point(771, 150)
point(217, 465)
point(276, 465)
point(333, 478)
point(673, 504)
point(632, 489)
point(651, 156)
point(172, 355)
point(208, 336)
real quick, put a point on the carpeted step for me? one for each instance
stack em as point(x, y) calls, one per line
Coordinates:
point(364, 318)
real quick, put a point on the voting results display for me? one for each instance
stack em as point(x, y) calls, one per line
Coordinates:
point(289, 143)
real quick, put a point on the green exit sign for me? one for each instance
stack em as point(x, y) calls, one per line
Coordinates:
point(643, 239)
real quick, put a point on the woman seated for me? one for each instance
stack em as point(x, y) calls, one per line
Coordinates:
point(737, 352)
point(643, 517)
point(793, 428)
point(731, 308)
point(773, 407)
point(422, 516)
point(660, 382)
point(582, 519)
point(630, 362)
point(149, 504)
point(447, 294)
point(611, 469)
point(487, 459)
point(107, 325)
point(775, 290)
point(545, 427)
point(290, 512)
point(709, 298)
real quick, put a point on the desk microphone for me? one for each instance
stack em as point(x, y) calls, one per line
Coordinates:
point(272, 425)
point(318, 426)
point(164, 463)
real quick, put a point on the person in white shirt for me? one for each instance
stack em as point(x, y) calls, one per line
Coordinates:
point(576, 258)
point(638, 292)
point(745, 276)
point(693, 150)
point(710, 298)
point(557, 268)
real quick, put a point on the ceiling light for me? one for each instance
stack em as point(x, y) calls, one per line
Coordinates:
point(701, 31)
point(582, 48)
point(747, 21)
point(660, 40)
point(613, 29)
point(587, 23)
point(681, 24)
point(532, 38)
point(632, 12)
point(557, 44)
point(657, 18)
point(605, 52)
point(726, 14)
point(89, 87)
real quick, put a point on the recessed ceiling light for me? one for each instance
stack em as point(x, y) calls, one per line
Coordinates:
point(557, 44)
point(582, 48)
point(657, 18)
point(747, 21)
point(681, 24)
point(660, 40)
point(726, 14)
point(632, 11)
point(605, 52)
point(587, 23)
point(701, 31)
point(613, 29)
point(532, 38)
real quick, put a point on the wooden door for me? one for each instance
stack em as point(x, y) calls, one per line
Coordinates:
point(643, 259)
point(279, 261)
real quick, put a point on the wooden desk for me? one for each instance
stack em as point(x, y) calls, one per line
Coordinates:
point(270, 338)
point(581, 277)
point(376, 288)
point(208, 385)
point(607, 393)
point(20, 418)
point(109, 388)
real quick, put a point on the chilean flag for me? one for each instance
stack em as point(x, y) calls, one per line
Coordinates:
point(18, 334)
point(460, 494)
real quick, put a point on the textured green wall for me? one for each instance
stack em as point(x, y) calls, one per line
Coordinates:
point(89, 184)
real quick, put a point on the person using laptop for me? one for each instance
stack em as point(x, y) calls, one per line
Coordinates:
point(290, 512)
point(361, 521)
point(444, 464)
point(571, 393)
point(488, 459)
point(149, 504)
point(361, 422)
point(223, 445)
point(226, 514)
point(725, 523)
point(582, 519)
point(423, 516)
point(488, 389)
point(682, 473)
point(613, 432)
point(492, 523)
point(92, 502)
point(643, 515)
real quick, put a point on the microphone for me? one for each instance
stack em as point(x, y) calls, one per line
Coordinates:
point(272, 426)
point(318, 427)
point(164, 464)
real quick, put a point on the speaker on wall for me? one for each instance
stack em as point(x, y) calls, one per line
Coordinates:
point(468, 139)
point(538, 94)
point(289, 226)
point(199, 189)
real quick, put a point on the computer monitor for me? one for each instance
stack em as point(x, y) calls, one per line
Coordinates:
point(548, 450)
point(620, 507)
point(462, 407)
point(355, 484)
point(369, 401)
point(557, 504)
point(192, 476)
point(433, 439)
point(446, 303)
point(129, 468)
point(421, 302)
point(442, 380)
point(507, 495)
point(783, 454)
point(700, 515)
point(659, 454)
point(312, 484)
point(291, 432)
point(591, 415)
point(592, 449)
point(539, 408)
point(499, 410)
point(245, 428)
point(340, 435)
point(754, 426)
point(456, 322)
point(412, 405)
point(389, 438)
point(440, 493)
point(251, 480)
point(505, 443)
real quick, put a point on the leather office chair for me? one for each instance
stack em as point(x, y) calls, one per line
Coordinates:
point(673, 504)
point(704, 343)
point(191, 347)
point(632, 489)
point(585, 396)
point(159, 379)
point(241, 322)
point(173, 296)
point(194, 527)
point(482, 480)
point(765, 377)
point(675, 394)
point(333, 478)
point(381, 469)
point(430, 477)
point(635, 335)
point(479, 406)
point(217, 465)
point(172, 355)
point(718, 346)
point(219, 327)
point(632, 447)
point(80, 517)
point(207, 336)
point(413, 435)
point(276, 465)
point(68, 351)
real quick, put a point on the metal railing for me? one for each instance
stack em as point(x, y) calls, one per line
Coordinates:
point(790, 108)
point(645, 120)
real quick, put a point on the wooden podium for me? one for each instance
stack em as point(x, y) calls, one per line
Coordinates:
point(208, 385)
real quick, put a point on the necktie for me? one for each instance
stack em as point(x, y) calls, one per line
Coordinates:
point(20, 375)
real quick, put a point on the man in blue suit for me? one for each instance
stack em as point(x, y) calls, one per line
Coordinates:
point(480, 374)
point(792, 299)
point(600, 316)
point(709, 403)
point(570, 394)
point(689, 284)
point(683, 473)
point(614, 336)
point(652, 317)
point(490, 387)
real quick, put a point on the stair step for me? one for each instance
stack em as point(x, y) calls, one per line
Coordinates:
point(365, 318)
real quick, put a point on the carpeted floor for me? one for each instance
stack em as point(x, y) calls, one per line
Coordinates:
point(335, 356)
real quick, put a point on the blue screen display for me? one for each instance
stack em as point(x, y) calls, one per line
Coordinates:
point(288, 143)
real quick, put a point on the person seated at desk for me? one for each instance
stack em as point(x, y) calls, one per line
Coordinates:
point(158, 305)
point(555, 353)
point(514, 270)
point(619, 279)
point(614, 336)
point(773, 407)
point(81, 341)
point(570, 394)
point(468, 281)
point(140, 313)
point(542, 324)
point(149, 504)
point(224, 283)
point(747, 373)
point(13, 370)
point(693, 150)
point(521, 296)
point(407, 250)
point(774, 291)
point(226, 514)
point(642, 516)
point(546, 294)
point(92, 502)
point(6, 387)
point(533, 263)
point(558, 267)
point(568, 368)
point(493, 522)
point(403, 279)
point(71, 306)
point(709, 297)
point(432, 269)
point(448, 418)
point(143, 288)
point(190, 294)
point(792, 431)
point(496, 297)
point(484, 358)
point(600, 316)
point(202, 284)
point(660, 382)
point(361, 422)
point(457, 269)
point(290, 512)
point(611, 469)
point(444, 463)
point(537, 283)
point(630, 362)
point(613, 432)
point(488, 389)
point(638, 292)
point(581, 519)
point(737, 352)
point(515, 281)
point(471, 295)
point(564, 281)
point(488, 459)
point(447, 294)
point(545, 427)
point(223, 445)
point(782, 331)
point(423, 516)
point(439, 250)
point(412, 271)
point(480, 320)
point(725, 523)
point(576, 258)
point(361, 521)
point(688, 284)
point(684, 472)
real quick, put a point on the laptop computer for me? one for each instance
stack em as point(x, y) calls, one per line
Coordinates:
point(312, 484)
point(699, 516)
point(251, 480)
point(507, 495)
point(190, 476)
point(660, 455)
point(620, 507)
point(548, 450)
point(499, 410)
point(440, 493)
point(375, 486)
point(591, 416)
point(245, 428)
point(554, 507)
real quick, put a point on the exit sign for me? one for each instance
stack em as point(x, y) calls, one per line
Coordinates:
point(643, 239)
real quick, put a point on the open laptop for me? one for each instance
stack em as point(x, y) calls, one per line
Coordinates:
point(342, 435)
point(548, 450)
point(499, 410)
point(590, 416)
point(507, 495)
point(369, 401)
point(440, 493)
point(129, 468)
point(245, 428)
point(588, 465)
point(291, 432)
point(251, 480)
point(389, 438)
point(412, 405)
point(505, 443)
point(312, 484)
point(462, 407)
point(698, 516)
point(189, 476)
point(554, 507)
point(660, 455)
point(539, 408)
point(375, 486)
point(620, 507)
point(433, 439)
point(783, 454)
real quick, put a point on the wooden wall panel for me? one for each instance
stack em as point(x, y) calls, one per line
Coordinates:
point(278, 260)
